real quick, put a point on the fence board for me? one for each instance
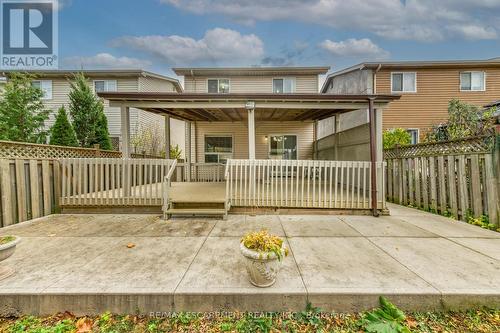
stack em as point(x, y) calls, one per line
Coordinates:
point(453, 184)
point(34, 191)
point(5, 177)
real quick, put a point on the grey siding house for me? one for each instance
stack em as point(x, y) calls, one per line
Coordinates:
point(56, 87)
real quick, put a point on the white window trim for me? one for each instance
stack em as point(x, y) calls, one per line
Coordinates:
point(94, 81)
point(405, 92)
point(48, 98)
point(289, 134)
point(218, 79)
point(418, 133)
point(471, 90)
point(217, 136)
point(283, 78)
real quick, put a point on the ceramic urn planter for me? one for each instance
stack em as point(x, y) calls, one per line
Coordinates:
point(6, 250)
point(262, 267)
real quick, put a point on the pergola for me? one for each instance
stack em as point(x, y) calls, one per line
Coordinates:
point(249, 108)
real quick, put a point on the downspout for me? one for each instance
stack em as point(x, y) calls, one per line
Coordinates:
point(375, 78)
point(373, 156)
point(194, 80)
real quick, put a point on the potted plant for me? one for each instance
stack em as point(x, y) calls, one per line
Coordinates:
point(7, 248)
point(264, 255)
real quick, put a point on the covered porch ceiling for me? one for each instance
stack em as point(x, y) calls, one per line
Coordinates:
point(234, 107)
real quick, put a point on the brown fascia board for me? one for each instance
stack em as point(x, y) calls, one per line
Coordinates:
point(151, 96)
point(250, 71)
point(99, 73)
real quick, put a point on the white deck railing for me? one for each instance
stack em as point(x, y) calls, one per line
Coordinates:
point(166, 187)
point(302, 184)
point(199, 172)
point(112, 181)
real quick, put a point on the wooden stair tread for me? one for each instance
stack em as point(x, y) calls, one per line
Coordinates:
point(196, 211)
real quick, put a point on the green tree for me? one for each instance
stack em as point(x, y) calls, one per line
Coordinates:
point(85, 110)
point(62, 132)
point(396, 136)
point(464, 120)
point(101, 135)
point(22, 113)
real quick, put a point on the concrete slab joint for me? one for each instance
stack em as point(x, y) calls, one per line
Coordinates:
point(81, 263)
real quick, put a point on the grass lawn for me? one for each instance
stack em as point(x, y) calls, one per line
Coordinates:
point(313, 320)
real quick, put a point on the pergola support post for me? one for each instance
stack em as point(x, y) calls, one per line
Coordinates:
point(251, 133)
point(167, 136)
point(125, 131)
point(188, 151)
point(373, 156)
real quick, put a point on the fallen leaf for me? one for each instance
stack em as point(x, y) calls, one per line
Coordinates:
point(84, 325)
point(130, 245)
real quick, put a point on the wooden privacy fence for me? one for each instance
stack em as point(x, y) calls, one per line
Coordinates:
point(112, 181)
point(9, 149)
point(459, 185)
point(301, 184)
point(28, 189)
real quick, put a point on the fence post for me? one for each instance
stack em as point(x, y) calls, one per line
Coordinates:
point(97, 148)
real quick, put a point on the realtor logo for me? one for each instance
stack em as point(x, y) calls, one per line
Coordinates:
point(29, 34)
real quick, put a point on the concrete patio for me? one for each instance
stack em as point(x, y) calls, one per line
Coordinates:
point(81, 263)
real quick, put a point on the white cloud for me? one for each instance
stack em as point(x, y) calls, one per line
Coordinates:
point(423, 20)
point(217, 46)
point(105, 60)
point(354, 47)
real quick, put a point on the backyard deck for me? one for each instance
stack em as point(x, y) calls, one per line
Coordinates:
point(81, 263)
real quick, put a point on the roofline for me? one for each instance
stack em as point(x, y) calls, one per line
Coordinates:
point(99, 72)
point(412, 64)
point(187, 71)
point(241, 96)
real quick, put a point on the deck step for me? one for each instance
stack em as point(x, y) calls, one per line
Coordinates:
point(195, 211)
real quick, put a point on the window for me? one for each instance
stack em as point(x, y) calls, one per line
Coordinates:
point(404, 82)
point(104, 85)
point(414, 133)
point(283, 147)
point(472, 81)
point(218, 149)
point(45, 86)
point(284, 85)
point(218, 86)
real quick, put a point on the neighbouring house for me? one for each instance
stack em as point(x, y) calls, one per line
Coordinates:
point(425, 87)
point(55, 85)
point(252, 141)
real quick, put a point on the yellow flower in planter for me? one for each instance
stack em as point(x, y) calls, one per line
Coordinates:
point(265, 243)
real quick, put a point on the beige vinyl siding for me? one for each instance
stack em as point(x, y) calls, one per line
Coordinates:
point(60, 96)
point(252, 84)
point(435, 88)
point(152, 84)
point(239, 132)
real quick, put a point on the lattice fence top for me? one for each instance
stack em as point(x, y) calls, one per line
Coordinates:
point(482, 144)
point(10, 149)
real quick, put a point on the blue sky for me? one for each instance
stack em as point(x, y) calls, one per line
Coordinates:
point(160, 34)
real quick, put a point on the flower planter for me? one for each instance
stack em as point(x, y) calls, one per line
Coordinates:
point(6, 250)
point(262, 267)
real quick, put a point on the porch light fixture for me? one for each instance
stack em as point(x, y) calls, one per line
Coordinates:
point(250, 105)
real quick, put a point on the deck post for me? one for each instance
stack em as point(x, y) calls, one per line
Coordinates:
point(373, 156)
point(167, 136)
point(188, 151)
point(125, 130)
point(251, 131)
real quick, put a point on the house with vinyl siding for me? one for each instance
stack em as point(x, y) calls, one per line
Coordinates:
point(252, 140)
point(425, 88)
point(55, 85)
point(276, 135)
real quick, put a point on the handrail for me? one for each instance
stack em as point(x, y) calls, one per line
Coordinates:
point(166, 186)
